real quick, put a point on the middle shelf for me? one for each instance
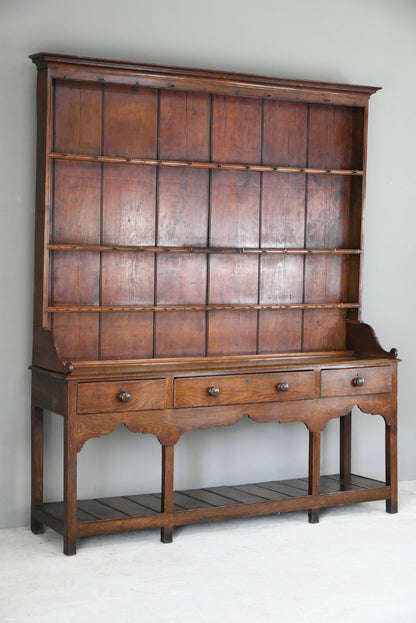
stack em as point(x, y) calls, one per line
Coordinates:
point(203, 250)
point(161, 308)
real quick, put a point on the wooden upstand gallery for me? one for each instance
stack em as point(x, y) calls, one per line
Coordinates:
point(199, 244)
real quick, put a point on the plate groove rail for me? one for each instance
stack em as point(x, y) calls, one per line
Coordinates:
point(133, 512)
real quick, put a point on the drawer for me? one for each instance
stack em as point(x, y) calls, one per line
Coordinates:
point(102, 397)
point(351, 381)
point(240, 389)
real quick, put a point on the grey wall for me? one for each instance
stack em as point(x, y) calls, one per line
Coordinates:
point(358, 41)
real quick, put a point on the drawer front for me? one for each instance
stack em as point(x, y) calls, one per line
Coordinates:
point(240, 389)
point(102, 397)
point(351, 381)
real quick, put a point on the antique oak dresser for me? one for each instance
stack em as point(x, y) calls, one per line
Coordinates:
point(199, 247)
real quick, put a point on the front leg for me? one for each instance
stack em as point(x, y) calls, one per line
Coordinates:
point(37, 466)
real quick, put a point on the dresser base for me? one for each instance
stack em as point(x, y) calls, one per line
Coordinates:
point(135, 512)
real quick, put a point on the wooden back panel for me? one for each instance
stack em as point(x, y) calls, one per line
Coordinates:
point(115, 203)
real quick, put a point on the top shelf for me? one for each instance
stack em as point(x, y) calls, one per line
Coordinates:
point(262, 168)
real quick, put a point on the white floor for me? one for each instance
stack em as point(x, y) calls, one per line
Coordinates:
point(357, 565)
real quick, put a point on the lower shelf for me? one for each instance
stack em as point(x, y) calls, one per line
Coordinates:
point(134, 512)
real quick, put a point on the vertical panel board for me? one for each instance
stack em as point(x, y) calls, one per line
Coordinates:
point(127, 278)
point(76, 216)
point(75, 277)
point(183, 207)
point(76, 335)
point(232, 332)
point(280, 331)
point(233, 279)
point(281, 279)
point(129, 200)
point(358, 139)
point(184, 131)
point(235, 201)
point(129, 205)
point(181, 279)
point(324, 329)
point(285, 126)
point(236, 129)
point(330, 145)
point(77, 127)
point(126, 335)
point(130, 121)
point(76, 202)
point(180, 334)
point(327, 212)
point(330, 136)
point(235, 215)
point(326, 279)
point(283, 210)
point(354, 263)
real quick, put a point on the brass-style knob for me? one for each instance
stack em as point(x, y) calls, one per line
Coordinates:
point(358, 381)
point(213, 391)
point(124, 396)
point(283, 387)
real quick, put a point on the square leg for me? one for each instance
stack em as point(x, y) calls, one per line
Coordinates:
point(314, 472)
point(37, 466)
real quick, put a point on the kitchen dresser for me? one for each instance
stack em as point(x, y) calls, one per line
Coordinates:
point(199, 245)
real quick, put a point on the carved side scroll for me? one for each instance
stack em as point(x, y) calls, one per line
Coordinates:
point(46, 353)
point(362, 340)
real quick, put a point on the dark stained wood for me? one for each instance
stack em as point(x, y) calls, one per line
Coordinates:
point(105, 396)
point(198, 259)
point(285, 141)
point(209, 498)
point(200, 250)
point(130, 121)
point(280, 331)
point(314, 472)
point(37, 465)
point(251, 506)
point(232, 333)
point(134, 188)
point(198, 164)
point(184, 131)
point(126, 336)
point(76, 202)
point(125, 506)
point(345, 445)
point(324, 330)
point(180, 334)
point(65, 308)
point(181, 280)
point(70, 531)
point(230, 188)
point(239, 389)
point(167, 490)
point(376, 380)
point(77, 336)
point(182, 208)
point(77, 117)
point(236, 129)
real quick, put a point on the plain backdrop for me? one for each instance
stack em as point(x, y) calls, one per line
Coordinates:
point(371, 42)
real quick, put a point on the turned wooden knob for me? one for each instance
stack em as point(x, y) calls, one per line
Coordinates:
point(282, 387)
point(124, 396)
point(358, 381)
point(213, 391)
